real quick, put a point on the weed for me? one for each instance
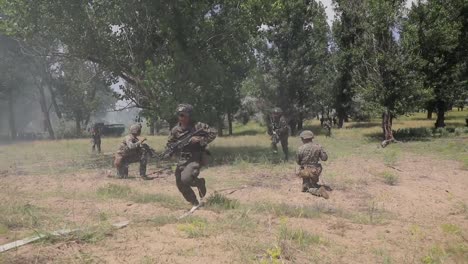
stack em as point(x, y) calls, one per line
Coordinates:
point(87, 235)
point(383, 255)
point(390, 157)
point(220, 202)
point(162, 220)
point(273, 253)
point(114, 191)
point(436, 255)
point(289, 210)
point(17, 215)
point(451, 229)
point(194, 227)
point(390, 178)
point(298, 236)
point(165, 200)
point(373, 215)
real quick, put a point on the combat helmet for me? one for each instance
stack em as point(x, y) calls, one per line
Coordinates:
point(184, 108)
point(135, 129)
point(277, 111)
point(306, 134)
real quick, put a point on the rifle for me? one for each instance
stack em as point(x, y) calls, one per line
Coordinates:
point(178, 145)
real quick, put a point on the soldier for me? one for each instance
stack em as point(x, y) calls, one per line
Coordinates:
point(131, 150)
point(328, 127)
point(192, 156)
point(278, 129)
point(96, 132)
point(308, 158)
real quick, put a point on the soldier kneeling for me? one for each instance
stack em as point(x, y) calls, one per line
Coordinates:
point(308, 158)
point(131, 150)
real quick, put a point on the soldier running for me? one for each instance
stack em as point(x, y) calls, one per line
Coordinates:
point(192, 156)
point(308, 158)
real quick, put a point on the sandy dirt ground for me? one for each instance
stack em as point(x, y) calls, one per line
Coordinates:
point(423, 218)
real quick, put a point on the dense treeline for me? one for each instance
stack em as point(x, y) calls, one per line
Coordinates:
point(378, 57)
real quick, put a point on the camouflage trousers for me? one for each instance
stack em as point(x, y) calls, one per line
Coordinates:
point(122, 161)
point(187, 172)
point(284, 145)
point(310, 178)
point(96, 144)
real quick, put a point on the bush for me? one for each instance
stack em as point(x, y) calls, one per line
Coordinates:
point(408, 133)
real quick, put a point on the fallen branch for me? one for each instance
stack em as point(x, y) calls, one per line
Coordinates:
point(62, 232)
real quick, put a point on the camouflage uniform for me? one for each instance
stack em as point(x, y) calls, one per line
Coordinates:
point(132, 150)
point(96, 135)
point(308, 158)
point(191, 159)
point(280, 125)
point(328, 126)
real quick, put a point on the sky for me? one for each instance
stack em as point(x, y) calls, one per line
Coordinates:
point(331, 14)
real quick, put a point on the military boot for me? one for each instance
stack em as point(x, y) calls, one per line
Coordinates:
point(201, 186)
point(320, 192)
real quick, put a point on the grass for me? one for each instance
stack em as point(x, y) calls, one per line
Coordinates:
point(288, 210)
point(91, 235)
point(19, 215)
point(220, 202)
point(390, 178)
point(194, 227)
point(116, 191)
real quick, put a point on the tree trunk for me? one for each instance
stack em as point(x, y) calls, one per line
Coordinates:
point(11, 115)
point(229, 116)
point(340, 122)
point(440, 122)
point(429, 113)
point(293, 126)
point(387, 121)
point(300, 123)
point(220, 127)
point(53, 97)
point(152, 128)
point(78, 126)
point(45, 111)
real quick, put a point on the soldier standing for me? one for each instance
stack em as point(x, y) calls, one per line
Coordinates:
point(96, 132)
point(192, 156)
point(328, 127)
point(308, 158)
point(131, 150)
point(278, 129)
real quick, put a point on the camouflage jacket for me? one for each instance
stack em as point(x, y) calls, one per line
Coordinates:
point(208, 135)
point(310, 154)
point(129, 143)
point(280, 126)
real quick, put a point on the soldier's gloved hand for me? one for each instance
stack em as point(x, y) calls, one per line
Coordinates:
point(195, 140)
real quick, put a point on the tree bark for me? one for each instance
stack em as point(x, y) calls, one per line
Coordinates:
point(429, 113)
point(45, 111)
point(387, 121)
point(152, 128)
point(53, 97)
point(220, 127)
point(300, 122)
point(11, 115)
point(229, 117)
point(440, 122)
point(78, 125)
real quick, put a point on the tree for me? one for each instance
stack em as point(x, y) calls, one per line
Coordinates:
point(351, 37)
point(292, 50)
point(166, 51)
point(81, 89)
point(391, 85)
point(435, 29)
